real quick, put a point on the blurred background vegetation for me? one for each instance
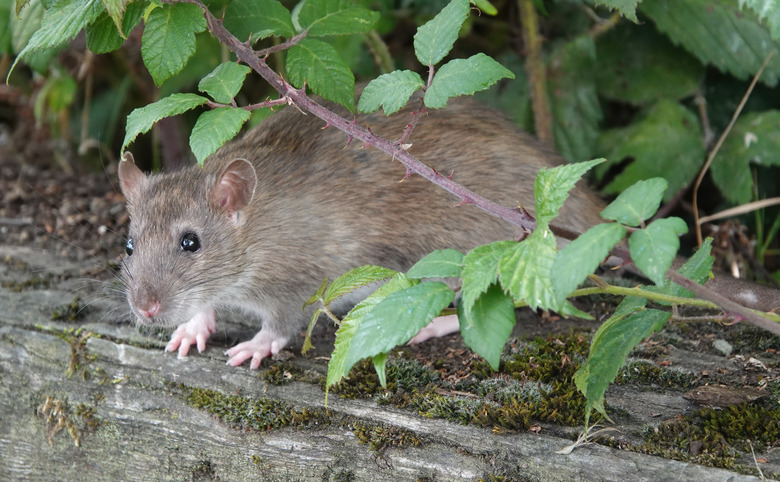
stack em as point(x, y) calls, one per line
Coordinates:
point(652, 96)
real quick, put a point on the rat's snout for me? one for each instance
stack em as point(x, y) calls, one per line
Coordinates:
point(146, 304)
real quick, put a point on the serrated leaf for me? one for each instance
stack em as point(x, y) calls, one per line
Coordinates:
point(214, 128)
point(397, 318)
point(115, 9)
point(611, 344)
point(390, 91)
point(335, 17)
point(524, 270)
point(103, 36)
point(637, 203)
point(142, 119)
point(354, 279)
point(639, 66)
point(582, 256)
point(338, 366)
point(627, 8)
point(224, 82)
point(464, 77)
point(768, 11)
point(487, 326)
point(573, 98)
point(62, 22)
point(444, 263)
point(698, 25)
point(25, 25)
point(654, 248)
point(753, 139)
point(322, 68)
point(697, 269)
point(480, 270)
point(666, 140)
point(168, 40)
point(434, 40)
point(552, 186)
point(255, 19)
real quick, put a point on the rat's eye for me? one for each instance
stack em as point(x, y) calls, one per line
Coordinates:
point(129, 247)
point(190, 242)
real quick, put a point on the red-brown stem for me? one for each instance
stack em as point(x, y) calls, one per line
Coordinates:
point(517, 217)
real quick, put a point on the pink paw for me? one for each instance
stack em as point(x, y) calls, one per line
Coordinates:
point(196, 331)
point(440, 326)
point(264, 344)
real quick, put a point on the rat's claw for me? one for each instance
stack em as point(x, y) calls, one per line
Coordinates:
point(440, 326)
point(194, 332)
point(263, 345)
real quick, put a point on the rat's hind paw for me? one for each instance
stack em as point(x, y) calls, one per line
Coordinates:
point(440, 326)
point(196, 331)
point(264, 344)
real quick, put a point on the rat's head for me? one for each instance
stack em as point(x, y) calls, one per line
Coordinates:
point(181, 245)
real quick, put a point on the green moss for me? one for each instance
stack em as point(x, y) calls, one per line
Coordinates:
point(69, 312)
point(244, 412)
point(403, 375)
point(646, 373)
point(281, 374)
point(716, 437)
point(380, 437)
point(77, 338)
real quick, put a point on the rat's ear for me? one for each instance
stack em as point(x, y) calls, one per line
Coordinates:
point(130, 177)
point(235, 186)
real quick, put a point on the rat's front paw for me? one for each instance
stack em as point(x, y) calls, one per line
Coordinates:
point(196, 331)
point(264, 344)
point(440, 326)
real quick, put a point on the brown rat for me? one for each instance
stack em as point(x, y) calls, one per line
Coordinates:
point(271, 215)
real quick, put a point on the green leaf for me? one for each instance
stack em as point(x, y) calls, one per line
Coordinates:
point(339, 365)
point(639, 66)
point(718, 33)
point(224, 82)
point(142, 119)
point(552, 186)
point(168, 40)
point(609, 348)
point(443, 263)
point(480, 270)
point(255, 19)
point(753, 139)
point(464, 77)
point(397, 318)
point(115, 9)
point(379, 362)
point(697, 269)
point(319, 65)
point(524, 270)
point(513, 98)
point(62, 22)
point(487, 326)
point(627, 8)
point(767, 11)
point(103, 36)
point(654, 248)
point(390, 91)
point(214, 128)
point(582, 256)
point(666, 140)
point(354, 279)
point(434, 40)
point(486, 7)
point(637, 203)
point(573, 98)
point(335, 17)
